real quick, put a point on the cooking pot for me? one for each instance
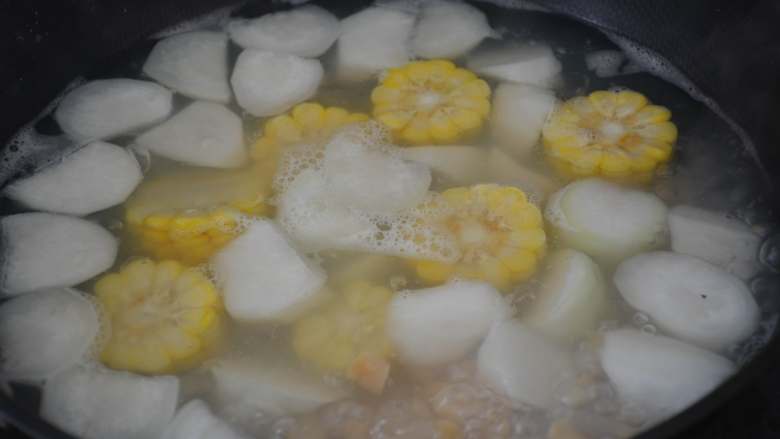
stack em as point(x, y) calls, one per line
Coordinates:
point(723, 58)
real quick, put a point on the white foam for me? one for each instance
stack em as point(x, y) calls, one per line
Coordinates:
point(194, 64)
point(448, 29)
point(43, 250)
point(45, 332)
point(94, 177)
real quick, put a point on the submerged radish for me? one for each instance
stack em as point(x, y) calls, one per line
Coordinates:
point(448, 29)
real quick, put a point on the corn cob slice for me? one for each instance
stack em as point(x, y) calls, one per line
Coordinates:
point(164, 317)
point(305, 123)
point(346, 336)
point(498, 231)
point(427, 102)
point(616, 135)
point(188, 216)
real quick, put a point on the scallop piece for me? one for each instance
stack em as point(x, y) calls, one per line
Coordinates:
point(94, 403)
point(571, 298)
point(522, 364)
point(607, 221)
point(269, 389)
point(725, 242)
point(434, 326)
point(369, 179)
point(454, 164)
point(372, 40)
point(689, 298)
point(268, 83)
point(44, 250)
point(519, 113)
point(448, 29)
point(202, 134)
point(530, 64)
point(194, 64)
point(264, 278)
point(97, 176)
point(194, 420)
point(307, 31)
point(45, 332)
point(107, 108)
point(659, 374)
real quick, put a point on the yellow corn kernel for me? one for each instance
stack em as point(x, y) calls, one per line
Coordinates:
point(346, 336)
point(498, 232)
point(617, 135)
point(188, 216)
point(431, 102)
point(164, 317)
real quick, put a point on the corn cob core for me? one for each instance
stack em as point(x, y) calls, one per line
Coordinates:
point(346, 336)
point(427, 102)
point(615, 135)
point(188, 216)
point(164, 317)
point(499, 233)
point(305, 123)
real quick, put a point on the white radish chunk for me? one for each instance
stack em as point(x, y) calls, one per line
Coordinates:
point(369, 179)
point(506, 170)
point(372, 40)
point(307, 31)
point(660, 374)
point(571, 299)
point(109, 107)
point(202, 134)
point(689, 298)
point(268, 83)
point(607, 221)
point(94, 177)
point(604, 63)
point(194, 64)
point(45, 332)
point(454, 164)
point(43, 250)
point(725, 242)
point(93, 403)
point(435, 326)
point(522, 364)
point(195, 421)
point(448, 29)
point(519, 113)
point(533, 65)
point(264, 278)
point(247, 386)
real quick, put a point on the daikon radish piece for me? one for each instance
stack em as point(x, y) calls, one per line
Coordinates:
point(522, 364)
point(689, 298)
point(725, 242)
point(372, 40)
point(194, 420)
point(264, 279)
point(519, 113)
point(607, 221)
point(448, 29)
point(44, 250)
point(659, 374)
point(532, 64)
point(455, 164)
point(506, 170)
point(97, 176)
point(93, 403)
point(267, 83)
point(307, 31)
point(194, 64)
point(107, 108)
point(273, 390)
point(202, 134)
point(571, 299)
point(435, 326)
point(45, 332)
